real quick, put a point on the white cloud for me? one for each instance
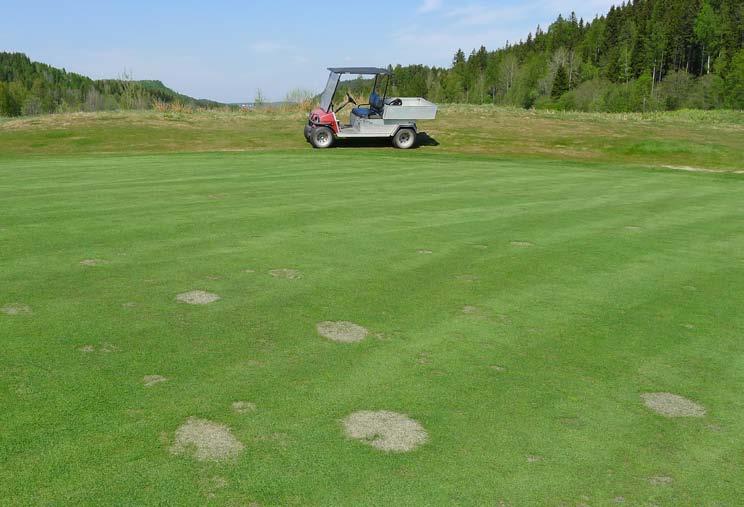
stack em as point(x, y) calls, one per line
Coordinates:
point(430, 5)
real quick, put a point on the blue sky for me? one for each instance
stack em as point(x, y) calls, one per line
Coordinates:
point(225, 50)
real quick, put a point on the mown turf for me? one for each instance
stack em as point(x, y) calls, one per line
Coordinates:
point(632, 285)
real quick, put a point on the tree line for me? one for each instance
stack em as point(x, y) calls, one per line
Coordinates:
point(29, 88)
point(642, 55)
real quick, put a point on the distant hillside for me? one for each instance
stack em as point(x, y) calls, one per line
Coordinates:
point(28, 87)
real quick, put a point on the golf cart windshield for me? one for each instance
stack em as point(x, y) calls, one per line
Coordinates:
point(327, 96)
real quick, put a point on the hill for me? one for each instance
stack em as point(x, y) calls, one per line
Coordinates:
point(28, 87)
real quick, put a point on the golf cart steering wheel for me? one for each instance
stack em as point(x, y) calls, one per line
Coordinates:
point(351, 99)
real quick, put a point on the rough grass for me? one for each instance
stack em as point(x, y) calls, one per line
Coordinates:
point(706, 139)
point(569, 333)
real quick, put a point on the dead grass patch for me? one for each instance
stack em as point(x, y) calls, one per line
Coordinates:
point(16, 309)
point(522, 244)
point(467, 278)
point(206, 440)
point(243, 407)
point(385, 430)
point(104, 348)
point(342, 331)
point(658, 480)
point(534, 459)
point(470, 310)
point(197, 297)
point(289, 274)
point(151, 380)
point(672, 405)
point(93, 262)
point(424, 251)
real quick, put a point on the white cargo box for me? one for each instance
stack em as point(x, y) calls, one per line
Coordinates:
point(412, 108)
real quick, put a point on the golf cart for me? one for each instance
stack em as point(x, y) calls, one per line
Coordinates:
point(383, 116)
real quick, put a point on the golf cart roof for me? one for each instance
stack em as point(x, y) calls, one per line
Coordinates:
point(359, 70)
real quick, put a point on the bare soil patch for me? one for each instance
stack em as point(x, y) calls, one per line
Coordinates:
point(243, 407)
point(289, 274)
point(672, 405)
point(197, 297)
point(151, 380)
point(16, 309)
point(206, 440)
point(93, 262)
point(342, 331)
point(522, 244)
point(385, 430)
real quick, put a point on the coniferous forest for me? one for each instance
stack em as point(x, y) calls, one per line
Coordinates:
point(644, 55)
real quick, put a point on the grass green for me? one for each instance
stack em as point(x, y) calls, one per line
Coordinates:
point(632, 285)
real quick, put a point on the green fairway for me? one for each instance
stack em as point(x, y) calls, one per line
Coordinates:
point(554, 296)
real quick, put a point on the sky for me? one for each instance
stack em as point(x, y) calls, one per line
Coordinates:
point(227, 49)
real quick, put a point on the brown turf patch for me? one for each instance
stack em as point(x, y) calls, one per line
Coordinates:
point(16, 309)
point(243, 407)
point(672, 405)
point(341, 331)
point(197, 297)
point(151, 380)
point(289, 274)
point(385, 430)
point(522, 244)
point(93, 262)
point(206, 440)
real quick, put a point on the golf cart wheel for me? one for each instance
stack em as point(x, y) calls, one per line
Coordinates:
point(321, 137)
point(308, 131)
point(404, 138)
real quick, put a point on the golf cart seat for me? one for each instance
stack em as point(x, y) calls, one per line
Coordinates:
point(375, 108)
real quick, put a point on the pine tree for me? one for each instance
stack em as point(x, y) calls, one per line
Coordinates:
point(560, 83)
